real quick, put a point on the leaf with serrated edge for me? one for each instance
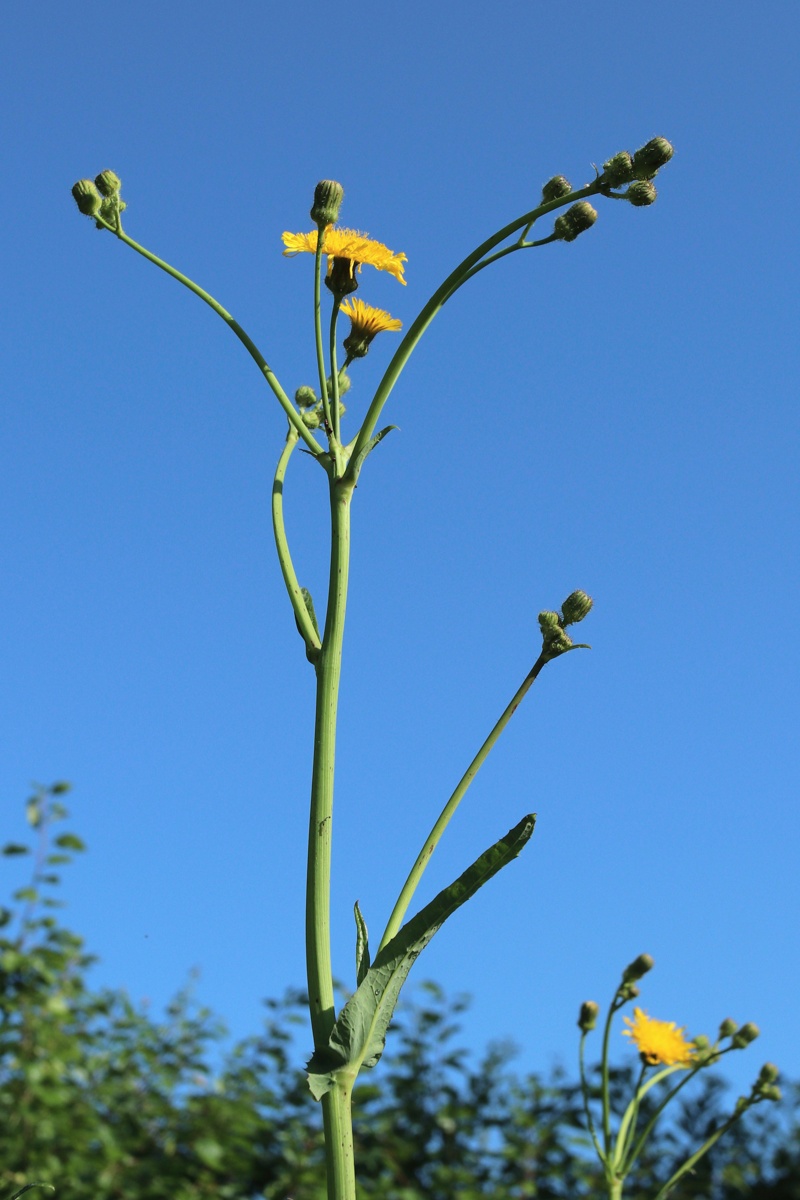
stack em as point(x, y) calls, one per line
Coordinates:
point(362, 945)
point(358, 1037)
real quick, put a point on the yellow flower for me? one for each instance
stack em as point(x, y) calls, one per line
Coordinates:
point(349, 244)
point(658, 1041)
point(365, 323)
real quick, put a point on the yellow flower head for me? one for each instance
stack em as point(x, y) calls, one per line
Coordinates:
point(348, 244)
point(658, 1041)
point(365, 323)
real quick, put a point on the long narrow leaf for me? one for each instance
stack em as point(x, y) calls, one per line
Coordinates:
point(359, 1035)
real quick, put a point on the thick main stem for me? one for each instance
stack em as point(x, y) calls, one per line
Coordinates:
point(336, 1104)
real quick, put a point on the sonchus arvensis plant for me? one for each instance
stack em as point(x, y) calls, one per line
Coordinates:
point(352, 1039)
point(664, 1053)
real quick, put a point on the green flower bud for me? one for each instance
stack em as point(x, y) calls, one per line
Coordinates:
point(305, 397)
point(575, 220)
point(87, 197)
point(639, 967)
point(549, 621)
point(701, 1042)
point(628, 991)
point(342, 409)
point(328, 196)
point(727, 1028)
point(108, 183)
point(310, 418)
point(772, 1093)
point(744, 1036)
point(588, 1015)
point(768, 1073)
point(555, 189)
point(650, 157)
point(618, 170)
point(641, 194)
point(344, 384)
point(576, 606)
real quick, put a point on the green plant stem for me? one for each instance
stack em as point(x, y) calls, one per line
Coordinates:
point(244, 338)
point(337, 300)
point(613, 1007)
point(432, 840)
point(706, 1146)
point(638, 1147)
point(336, 1104)
point(323, 387)
point(585, 1093)
point(440, 297)
point(627, 1126)
point(493, 258)
point(307, 630)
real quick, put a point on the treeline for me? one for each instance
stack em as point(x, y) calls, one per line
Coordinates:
point(102, 1100)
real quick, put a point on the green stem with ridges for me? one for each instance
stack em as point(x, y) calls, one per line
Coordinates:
point(309, 633)
point(433, 838)
point(439, 299)
point(336, 1104)
point(244, 338)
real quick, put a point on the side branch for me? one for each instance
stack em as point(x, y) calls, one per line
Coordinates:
point(304, 623)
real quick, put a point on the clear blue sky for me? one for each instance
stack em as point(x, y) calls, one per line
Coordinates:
point(619, 415)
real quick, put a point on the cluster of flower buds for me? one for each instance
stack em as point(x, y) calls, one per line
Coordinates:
point(100, 198)
point(555, 639)
point(310, 404)
point(638, 170)
point(574, 221)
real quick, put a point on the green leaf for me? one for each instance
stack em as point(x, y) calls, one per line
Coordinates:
point(359, 1035)
point(370, 446)
point(6, 915)
point(15, 848)
point(28, 895)
point(309, 603)
point(69, 841)
point(362, 945)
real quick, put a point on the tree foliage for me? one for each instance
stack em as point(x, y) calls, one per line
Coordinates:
point(102, 1100)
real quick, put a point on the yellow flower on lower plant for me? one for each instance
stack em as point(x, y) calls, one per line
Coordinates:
point(348, 244)
point(365, 323)
point(658, 1041)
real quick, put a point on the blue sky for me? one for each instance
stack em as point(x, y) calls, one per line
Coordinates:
point(619, 415)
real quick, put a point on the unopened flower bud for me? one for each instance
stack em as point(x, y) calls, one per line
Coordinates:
point(548, 621)
point(701, 1042)
point(305, 397)
point(311, 418)
point(768, 1073)
point(641, 193)
point(574, 221)
point(555, 189)
point(628, 991)
point(328, 196)
point(108, 183)
point(618, 170)
point(87, 197)
point(576, 606)
point(588, 1015)
point(344, 384)
point(727, 1028)
point(650, 157)
point(744, 1036)
point(772, 1093)
point(639, 967)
